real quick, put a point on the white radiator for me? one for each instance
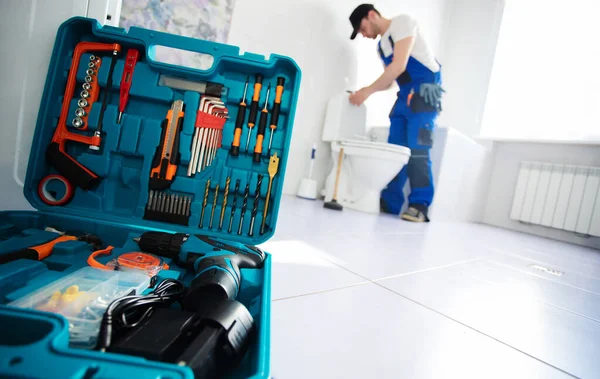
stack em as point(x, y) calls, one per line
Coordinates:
point(558, 196)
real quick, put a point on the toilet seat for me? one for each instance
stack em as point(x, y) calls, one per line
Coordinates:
point(374, 149)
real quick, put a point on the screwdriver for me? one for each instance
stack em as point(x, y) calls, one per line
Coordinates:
point(239, 123)
point(276, 108)
point(254, 107)
point(273, 165)
point(130, 61)
point(262, 126)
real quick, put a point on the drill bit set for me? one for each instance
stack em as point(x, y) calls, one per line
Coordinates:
point(168, 207)
point(246, 197)
point(208, 133)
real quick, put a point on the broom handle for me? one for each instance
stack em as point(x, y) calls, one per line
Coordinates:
point(337, 175)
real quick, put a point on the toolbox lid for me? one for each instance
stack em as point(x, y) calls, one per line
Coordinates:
point(123, 162)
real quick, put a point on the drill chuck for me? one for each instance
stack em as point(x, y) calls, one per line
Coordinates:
point(162, 244)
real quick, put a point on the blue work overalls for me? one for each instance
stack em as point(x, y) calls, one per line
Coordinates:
point(413, 130)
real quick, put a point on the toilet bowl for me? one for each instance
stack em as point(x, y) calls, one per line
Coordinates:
point(367, 166)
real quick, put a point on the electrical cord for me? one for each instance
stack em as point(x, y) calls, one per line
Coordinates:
point(130, 311)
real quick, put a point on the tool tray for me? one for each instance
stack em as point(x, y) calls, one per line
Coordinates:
point(118, 206)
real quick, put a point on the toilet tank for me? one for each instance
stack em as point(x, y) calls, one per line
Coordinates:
point(344, 120)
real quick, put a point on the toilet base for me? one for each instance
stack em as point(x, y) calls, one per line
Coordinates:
point(368, 203)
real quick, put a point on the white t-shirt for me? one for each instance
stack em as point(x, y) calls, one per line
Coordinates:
point(405, 26)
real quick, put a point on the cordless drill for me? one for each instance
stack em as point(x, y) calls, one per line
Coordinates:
point(217, 264)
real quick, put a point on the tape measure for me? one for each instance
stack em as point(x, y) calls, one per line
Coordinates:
point(50, 199)
point(134, 260)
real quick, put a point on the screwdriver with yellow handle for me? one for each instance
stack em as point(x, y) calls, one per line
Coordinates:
point(254, 107)
point(239, 123)
point(275, 110)
point(262, 127)
point(166, 156)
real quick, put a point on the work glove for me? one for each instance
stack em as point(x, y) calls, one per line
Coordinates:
point(431, 93)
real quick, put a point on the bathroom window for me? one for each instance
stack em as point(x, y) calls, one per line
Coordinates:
point(543, 84)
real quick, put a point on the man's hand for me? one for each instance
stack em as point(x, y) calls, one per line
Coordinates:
point(359, 97)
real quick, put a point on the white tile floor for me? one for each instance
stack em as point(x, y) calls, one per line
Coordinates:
point(364, 296)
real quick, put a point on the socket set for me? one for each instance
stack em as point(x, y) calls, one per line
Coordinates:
point(90, 90)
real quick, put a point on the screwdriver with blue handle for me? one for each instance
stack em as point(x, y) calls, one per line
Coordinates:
point(217, 264)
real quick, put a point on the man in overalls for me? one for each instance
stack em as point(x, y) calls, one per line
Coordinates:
point(410, 62)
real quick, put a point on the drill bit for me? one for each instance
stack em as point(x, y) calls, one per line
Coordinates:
point(212, 211)
point(255, 206)
point(172, 204)
point(150, 200)
point(273, 165)
point(246, 193)
point(224, 203)
point(187, 203)
point(204, 202)
point(235, 193)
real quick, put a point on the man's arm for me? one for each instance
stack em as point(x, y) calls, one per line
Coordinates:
point(402, 49)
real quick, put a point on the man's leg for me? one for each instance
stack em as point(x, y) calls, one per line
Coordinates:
point(420, 128)
point(392, 197)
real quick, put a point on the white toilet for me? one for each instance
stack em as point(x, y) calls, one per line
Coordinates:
point(367, 166)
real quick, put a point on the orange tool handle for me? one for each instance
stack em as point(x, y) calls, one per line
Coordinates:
point(36, 253)
point(164, 164)
point(277, 103)
point(262, 126)
point(255, 99)
point(92, 258)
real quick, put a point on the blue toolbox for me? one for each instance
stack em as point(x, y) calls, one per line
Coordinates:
point(153, 184)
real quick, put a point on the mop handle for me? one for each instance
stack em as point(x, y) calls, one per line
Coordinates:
point(337, 175)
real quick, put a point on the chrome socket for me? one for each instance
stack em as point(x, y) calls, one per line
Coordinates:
point(85, 94)
point(82, 103)
point(88, 79)
point(92, 57)
point(87, 86)
point(90, 72)
point(77, 122)
point(79, 112)
point(91, 64)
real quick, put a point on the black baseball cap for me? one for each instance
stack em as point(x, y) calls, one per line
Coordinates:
point(357, 16)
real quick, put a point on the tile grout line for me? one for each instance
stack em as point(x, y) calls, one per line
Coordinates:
point(475, 330)
point(375, 282)
point(320, 292)
point(429, 269)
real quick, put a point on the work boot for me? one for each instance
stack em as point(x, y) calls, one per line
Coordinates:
point(415, 213)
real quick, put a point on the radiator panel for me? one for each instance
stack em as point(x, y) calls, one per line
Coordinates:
point(559, 196)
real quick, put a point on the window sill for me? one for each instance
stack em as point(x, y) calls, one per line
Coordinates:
point(534, 140)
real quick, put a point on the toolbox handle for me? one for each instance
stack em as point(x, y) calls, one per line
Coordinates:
point(152, 38)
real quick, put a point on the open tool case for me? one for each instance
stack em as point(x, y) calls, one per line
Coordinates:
point(134, 176)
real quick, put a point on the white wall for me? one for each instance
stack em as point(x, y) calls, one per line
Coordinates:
point(469, 44)
point(507, 157)
point(317, 36)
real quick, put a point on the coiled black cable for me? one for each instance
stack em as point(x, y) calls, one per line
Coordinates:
point(130, 311)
